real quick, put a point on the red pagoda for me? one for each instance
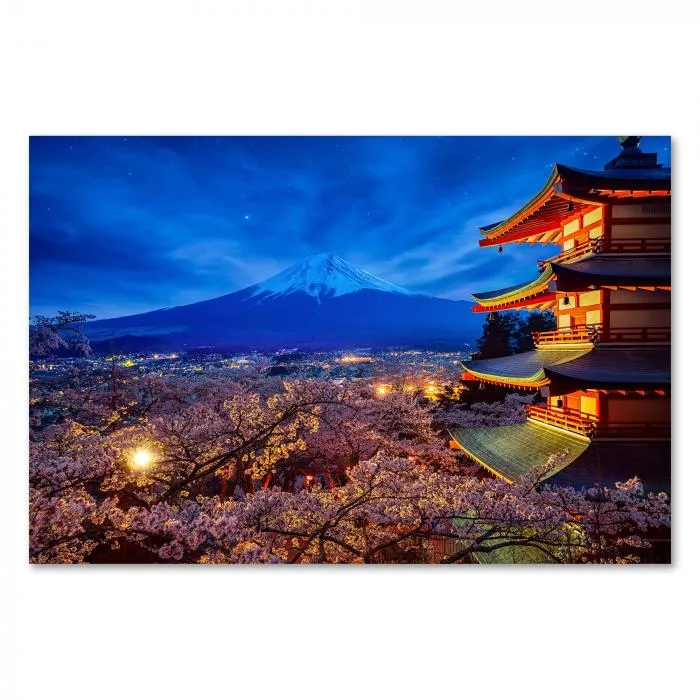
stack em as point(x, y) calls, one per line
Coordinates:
point(605, 371)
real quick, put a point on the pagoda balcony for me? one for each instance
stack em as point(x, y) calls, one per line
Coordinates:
point(575, 253)
point(589, 426)
point(565, 418)
point(565, 336)
point(599, 335)
point(620, 245)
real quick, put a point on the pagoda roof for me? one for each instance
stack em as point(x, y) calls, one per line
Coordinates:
point(507, 296)
point(601, 367)
point(523, 369)
point(511, 452)
point(601, 270)
point(569, 191)
point(629, 367)
point(515, 554)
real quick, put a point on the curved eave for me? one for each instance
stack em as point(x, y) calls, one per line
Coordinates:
point(542, 301)
point(524, 370)
point(494, 233)
point(566, 192)
point(534, 382)
point(523, 294)
point(511, 452)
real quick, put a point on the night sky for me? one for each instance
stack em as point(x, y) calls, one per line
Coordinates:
point(120, 225)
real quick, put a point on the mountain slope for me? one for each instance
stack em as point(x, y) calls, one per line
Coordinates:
point(323, 276)
point(324, 302)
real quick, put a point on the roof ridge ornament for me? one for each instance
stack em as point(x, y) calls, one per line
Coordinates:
point(630, 143)
point(631, 155)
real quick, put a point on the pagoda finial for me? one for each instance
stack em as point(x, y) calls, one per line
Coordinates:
point(629, 143)
point(631, 155)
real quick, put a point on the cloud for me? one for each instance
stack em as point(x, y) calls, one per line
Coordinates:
point(132, 223)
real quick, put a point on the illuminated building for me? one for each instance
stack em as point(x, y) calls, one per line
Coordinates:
point(605, 371)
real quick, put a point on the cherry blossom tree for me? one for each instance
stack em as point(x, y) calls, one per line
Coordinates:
point(50, 333)
point(254, 470)
point(510, 411)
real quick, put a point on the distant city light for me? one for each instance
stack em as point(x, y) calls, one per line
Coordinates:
point(355, 358)
point(431, 392)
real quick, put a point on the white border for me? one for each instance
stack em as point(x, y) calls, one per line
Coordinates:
point(346, 68)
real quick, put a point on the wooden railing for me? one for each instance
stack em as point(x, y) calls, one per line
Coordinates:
point(651, 244)
point(600, 335)
point(579, 251)
point(634, 429)
point(579, 334)
point(566, 418)
point(588, 425)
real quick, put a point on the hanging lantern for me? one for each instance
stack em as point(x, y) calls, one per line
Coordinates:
point(566, 301)
point(500, 248)
point(570, 208)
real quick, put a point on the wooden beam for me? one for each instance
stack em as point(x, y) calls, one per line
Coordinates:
point(532, 301)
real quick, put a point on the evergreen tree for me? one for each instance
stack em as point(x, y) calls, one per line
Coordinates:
point(506, 332)
point(498, 335)
point(535, 322)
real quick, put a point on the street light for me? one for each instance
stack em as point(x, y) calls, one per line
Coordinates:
point(141, 459)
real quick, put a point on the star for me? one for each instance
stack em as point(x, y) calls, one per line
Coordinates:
point(246, 217)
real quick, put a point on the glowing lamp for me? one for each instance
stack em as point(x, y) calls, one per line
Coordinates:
point(141, 459)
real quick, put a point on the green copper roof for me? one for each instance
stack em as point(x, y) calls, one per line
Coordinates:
point(512, 451)
point(516, 291)
point(514, 555)
point(525, 367)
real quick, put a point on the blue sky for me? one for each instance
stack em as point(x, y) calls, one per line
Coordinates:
point(120, 225)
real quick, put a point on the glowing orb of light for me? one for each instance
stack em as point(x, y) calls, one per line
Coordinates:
point(141, 459)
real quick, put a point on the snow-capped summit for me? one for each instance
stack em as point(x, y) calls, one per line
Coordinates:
point(323, 276)
point(323, 302)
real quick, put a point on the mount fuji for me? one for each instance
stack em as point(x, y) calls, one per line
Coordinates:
point(324, 302)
